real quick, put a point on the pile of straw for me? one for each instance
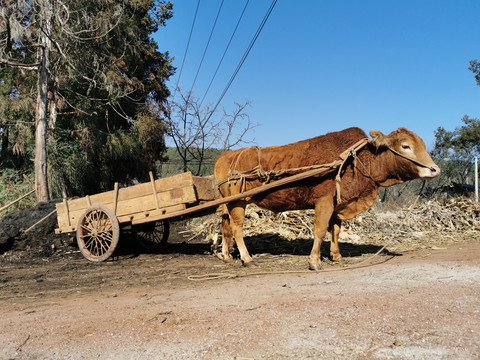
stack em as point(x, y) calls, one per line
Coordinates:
point(453, 214)
point(426, 222)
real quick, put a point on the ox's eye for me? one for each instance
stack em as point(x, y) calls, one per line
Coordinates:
point(406, 147)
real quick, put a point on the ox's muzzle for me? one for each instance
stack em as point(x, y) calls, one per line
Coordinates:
point(430, 172)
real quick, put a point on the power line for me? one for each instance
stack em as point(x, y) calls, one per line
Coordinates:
point(206, 47)
point(186, 50)
point(250, 46)
point(224, 53)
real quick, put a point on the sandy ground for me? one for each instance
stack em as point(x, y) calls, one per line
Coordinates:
point(421, 305)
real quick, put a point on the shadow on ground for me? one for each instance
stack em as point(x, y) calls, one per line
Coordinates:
point(265, 244)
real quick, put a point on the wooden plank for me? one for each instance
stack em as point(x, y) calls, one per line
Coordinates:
point(135, 191)
point(205, 187)
point(40, 221)
point(62, 219)
point(65, 230)
point(65, 203)
point(154, 190)
point(115, 198)
point(149, 216)
point(165, 199)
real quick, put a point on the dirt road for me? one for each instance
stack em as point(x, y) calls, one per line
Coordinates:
point(421, 305)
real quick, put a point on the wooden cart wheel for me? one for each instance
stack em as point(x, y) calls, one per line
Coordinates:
point(98, 232)
point(152, 236)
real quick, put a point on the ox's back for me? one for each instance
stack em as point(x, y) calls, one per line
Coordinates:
point(319, 150)
point(299, 195)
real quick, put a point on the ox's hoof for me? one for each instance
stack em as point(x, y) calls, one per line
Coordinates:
point(249, 263)
point(227, 259)
point(337, 258)
point(315, 267)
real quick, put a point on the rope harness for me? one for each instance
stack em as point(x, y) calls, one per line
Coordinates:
point(410, 159)
point(258, 173)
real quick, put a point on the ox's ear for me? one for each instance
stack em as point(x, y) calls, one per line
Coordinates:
point(379, 139)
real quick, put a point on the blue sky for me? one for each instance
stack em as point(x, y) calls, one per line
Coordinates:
point(321, 66)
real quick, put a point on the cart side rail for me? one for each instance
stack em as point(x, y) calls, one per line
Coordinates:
point(171, 192)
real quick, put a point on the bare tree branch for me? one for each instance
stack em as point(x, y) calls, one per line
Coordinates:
point(194, 129)
point(19, 65)
point(75, 36)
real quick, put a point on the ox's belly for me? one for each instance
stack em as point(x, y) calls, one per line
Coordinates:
point(292, 198)
point(305, 197)
point(275, 206)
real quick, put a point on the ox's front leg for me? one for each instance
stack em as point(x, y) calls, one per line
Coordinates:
point(335, 225)
point(237, 216)
point(227, 240)
point(323, 213)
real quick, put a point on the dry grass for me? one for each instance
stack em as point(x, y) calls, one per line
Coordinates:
point(427, 224)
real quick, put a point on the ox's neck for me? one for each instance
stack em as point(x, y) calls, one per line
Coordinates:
point(384, 167)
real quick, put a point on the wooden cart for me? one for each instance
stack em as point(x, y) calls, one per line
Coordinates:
point(97, 219)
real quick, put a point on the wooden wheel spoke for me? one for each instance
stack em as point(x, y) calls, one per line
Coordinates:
point(97, 215)
point(106, 236)
point(152, 236)
point(89, 242)
point(87, 229)
point(98, 233)
point(105, 228)
point(96, 247)
point(100, 220)
point(104, 248)
point(90, 220)
point(104, 224)
point(94, 219)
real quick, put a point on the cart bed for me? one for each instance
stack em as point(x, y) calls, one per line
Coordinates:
point(139, 202)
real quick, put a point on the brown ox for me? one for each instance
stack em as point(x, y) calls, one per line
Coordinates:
point(384, 161)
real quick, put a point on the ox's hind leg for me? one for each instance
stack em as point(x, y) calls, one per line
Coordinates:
point(335, 225)
point(227, 240)
point(323, 213)
point(237, 216)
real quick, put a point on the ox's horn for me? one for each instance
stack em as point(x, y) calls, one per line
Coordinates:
point(379, 139)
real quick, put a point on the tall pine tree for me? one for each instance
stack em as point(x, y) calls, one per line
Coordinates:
point(100, 83)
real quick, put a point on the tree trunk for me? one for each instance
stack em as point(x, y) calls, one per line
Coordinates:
point(185, 162)
point(41, 178)
point(52, 106)
point(4, 143)
point(41, 114)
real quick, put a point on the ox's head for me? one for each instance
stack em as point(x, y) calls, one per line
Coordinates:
point(412, 161)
